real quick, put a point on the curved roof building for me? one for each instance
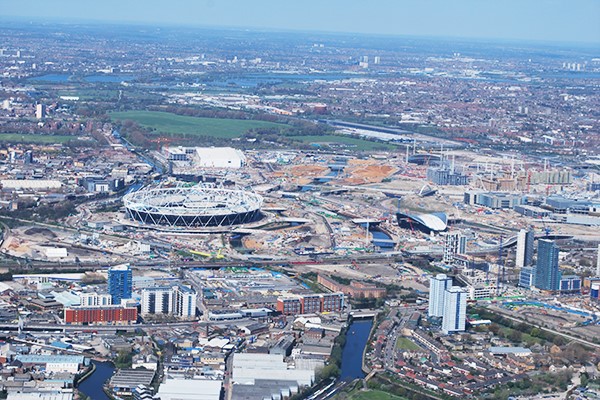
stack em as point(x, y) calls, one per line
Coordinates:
point(434, 222)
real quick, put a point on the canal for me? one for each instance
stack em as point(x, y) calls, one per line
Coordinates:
point(356, 340)
point(92, 385)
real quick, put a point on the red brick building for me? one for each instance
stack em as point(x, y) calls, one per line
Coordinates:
point(311, 303)
point(107, 315)
point(332, 302)
point(354, 289)
point(289, 305)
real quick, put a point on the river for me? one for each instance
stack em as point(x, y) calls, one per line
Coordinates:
point(356, 340)
point(92, 385)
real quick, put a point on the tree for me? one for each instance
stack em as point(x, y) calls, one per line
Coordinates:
point(494, 328)
point(558, 340)
point(515, 336)
point(123, 359)
point(330, 371)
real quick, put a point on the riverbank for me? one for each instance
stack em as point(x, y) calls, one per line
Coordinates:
point(86, 375)
point(365, 368)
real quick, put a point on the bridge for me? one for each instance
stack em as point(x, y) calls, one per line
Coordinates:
point(274, 209)
point(364, 221)
point(294, 220)
point(363, 314)
point(512, 241)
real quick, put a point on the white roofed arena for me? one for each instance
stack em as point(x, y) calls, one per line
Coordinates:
point(196, 206)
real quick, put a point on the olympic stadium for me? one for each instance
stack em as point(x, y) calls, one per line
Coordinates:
point(434, 222)
point(198, 206)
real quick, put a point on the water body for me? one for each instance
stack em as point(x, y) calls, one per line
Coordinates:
point(92, 386)
point(254, 80)
point(134, 188)
point(54, 78)
point(64, 78)
point(109, 78)
point(378, 236)
point(356, 340)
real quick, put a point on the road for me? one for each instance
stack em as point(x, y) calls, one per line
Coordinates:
point(291, 261)
point(198, 286)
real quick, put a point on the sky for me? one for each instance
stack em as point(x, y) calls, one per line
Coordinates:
point(531, 20)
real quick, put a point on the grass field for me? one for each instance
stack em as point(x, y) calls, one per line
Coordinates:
point(27, 138)
point(406, 344)
point(354, 143)
point(181, 125)
point(373, 395)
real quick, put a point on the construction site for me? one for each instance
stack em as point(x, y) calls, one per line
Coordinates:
point(308, 206)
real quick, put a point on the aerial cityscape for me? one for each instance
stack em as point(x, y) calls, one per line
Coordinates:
point(227, 211)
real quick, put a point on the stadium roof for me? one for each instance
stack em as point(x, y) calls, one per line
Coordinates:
point(436, 222)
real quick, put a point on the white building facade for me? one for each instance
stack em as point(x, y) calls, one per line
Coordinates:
point(437, 288)
point(177, 300)
point(95, 299)
point(455, 310)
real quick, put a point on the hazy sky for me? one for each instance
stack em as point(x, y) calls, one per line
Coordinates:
point(548, 20)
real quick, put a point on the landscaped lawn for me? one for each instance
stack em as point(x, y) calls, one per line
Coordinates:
point(181, 125)
point(406, 344)
point(29, 138)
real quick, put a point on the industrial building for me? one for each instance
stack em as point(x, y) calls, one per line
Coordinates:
point(190, 389)
point(55, 363)
point(563, 205)
point(354, 289)
point(207, 157)
point(248, 368)
point(493, 200)
point(570, 284)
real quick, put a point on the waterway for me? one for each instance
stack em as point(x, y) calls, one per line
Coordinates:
point(92, 385)
point(254, 80)
point(65, 78)
point(381, 240)
point(356, 340)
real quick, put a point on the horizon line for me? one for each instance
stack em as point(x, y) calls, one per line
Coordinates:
point(256, 29)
